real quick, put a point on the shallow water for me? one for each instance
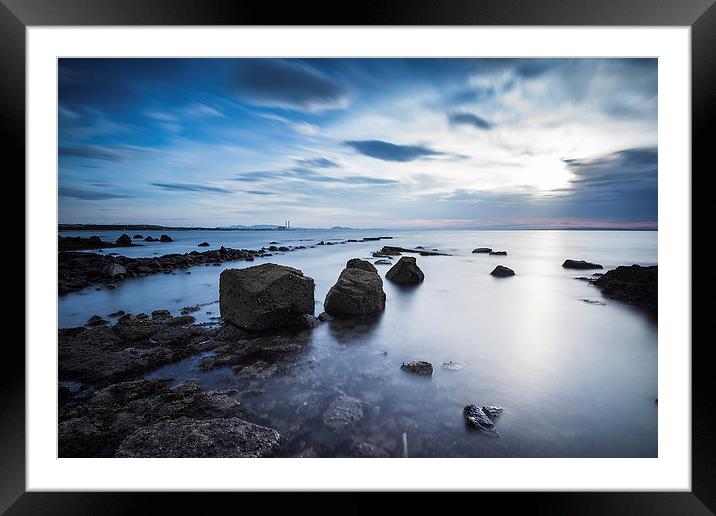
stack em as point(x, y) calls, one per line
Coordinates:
point(576, 379)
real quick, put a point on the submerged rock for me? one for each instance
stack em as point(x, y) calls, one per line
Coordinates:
point(96, 320)
point(635, 285)
point(343, 412)
point(203, 244)
point(482, 250)
point(186, 437)
point(383, 262)
point(418, 367)
point(452, 366)
point(502, 272)
point(405, 271)
point(265, 296)
point(477, 418)
point(358, 291)
point(580, 264)
point(124, 240)
point(493, 411)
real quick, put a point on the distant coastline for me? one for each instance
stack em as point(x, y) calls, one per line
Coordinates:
point(267, 227)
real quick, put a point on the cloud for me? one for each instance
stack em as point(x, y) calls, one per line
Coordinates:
point(469, 119)
point(93, 152)
point(89, 195)
point(306, 174)
point(386, 151)
point(316, 163)
point(286, 84)
point(189, 187)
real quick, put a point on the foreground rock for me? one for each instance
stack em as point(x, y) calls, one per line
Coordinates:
point(358, 291)
point(95, 426)
point(418, 367)
point(186, 437)
point(405, 271)
point(265, 296)
point(477, 418)
point(502, 272)
point(635, 285)
point(580, 265)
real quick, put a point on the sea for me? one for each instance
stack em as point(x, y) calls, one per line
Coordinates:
point(576, 373)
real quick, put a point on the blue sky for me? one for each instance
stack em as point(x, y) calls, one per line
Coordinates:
point(359, 142)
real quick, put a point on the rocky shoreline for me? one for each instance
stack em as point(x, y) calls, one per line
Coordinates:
point(79, 270)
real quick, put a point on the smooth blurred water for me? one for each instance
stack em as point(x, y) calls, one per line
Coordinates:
point(576, 379)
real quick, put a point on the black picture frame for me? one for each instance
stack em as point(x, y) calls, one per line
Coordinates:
point(16, 15)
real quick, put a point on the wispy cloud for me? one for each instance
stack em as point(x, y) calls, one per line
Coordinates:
point(89, 195)
point(469, 119)
point(189, 187)
point(387, 151)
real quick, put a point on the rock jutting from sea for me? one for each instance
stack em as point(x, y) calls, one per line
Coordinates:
point(266, 296)
point(406, 271)
point(358, 291)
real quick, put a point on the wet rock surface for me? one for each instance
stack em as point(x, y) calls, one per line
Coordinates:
point(405, 271)
point(358, 291)
point(418, 367)
point(580, 265)
point(633, 284)
point(265, 296)
point(478, 419)
point(343, 412)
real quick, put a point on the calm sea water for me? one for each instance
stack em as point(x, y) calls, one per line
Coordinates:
point(576, 379)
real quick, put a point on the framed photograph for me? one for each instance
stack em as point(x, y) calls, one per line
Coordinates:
point(425, 248)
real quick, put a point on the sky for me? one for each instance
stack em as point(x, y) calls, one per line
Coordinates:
point(391, 143)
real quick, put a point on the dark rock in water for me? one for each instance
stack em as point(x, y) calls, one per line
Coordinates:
point(390, 251)
point(580, 264)
point(476, 417)
point(273, 243)
point(405, 271)
point(358, 291)
point(137, 237)
point(156, 314)
point(203, 244)
point(141, 316)
point(307, 321)
point(265, 296)
point(273, 248)
point(378, 254)
point(283, 249)
point(502, 272)
point(383, 262)
point(150, 239)
point(118, 313)
point(124, 240)
point(357, 263)
point(190, 309)
point(499, 253)
point(186, 437)
point(635, 285)
point(592, 301)
point(493, 411)
point(584, 278)
point(321, 243)
point(166, 238)
point(96, 320)
point(482, 250)
point(418, 367)
point(323, 316)
point(95, 239)
point(343, 412)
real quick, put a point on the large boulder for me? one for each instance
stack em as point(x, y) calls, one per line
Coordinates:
point(358, 291)
point(635, 285)
point(580, 265)
point(265, 296)
point(405, 271)
point(124, 240)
